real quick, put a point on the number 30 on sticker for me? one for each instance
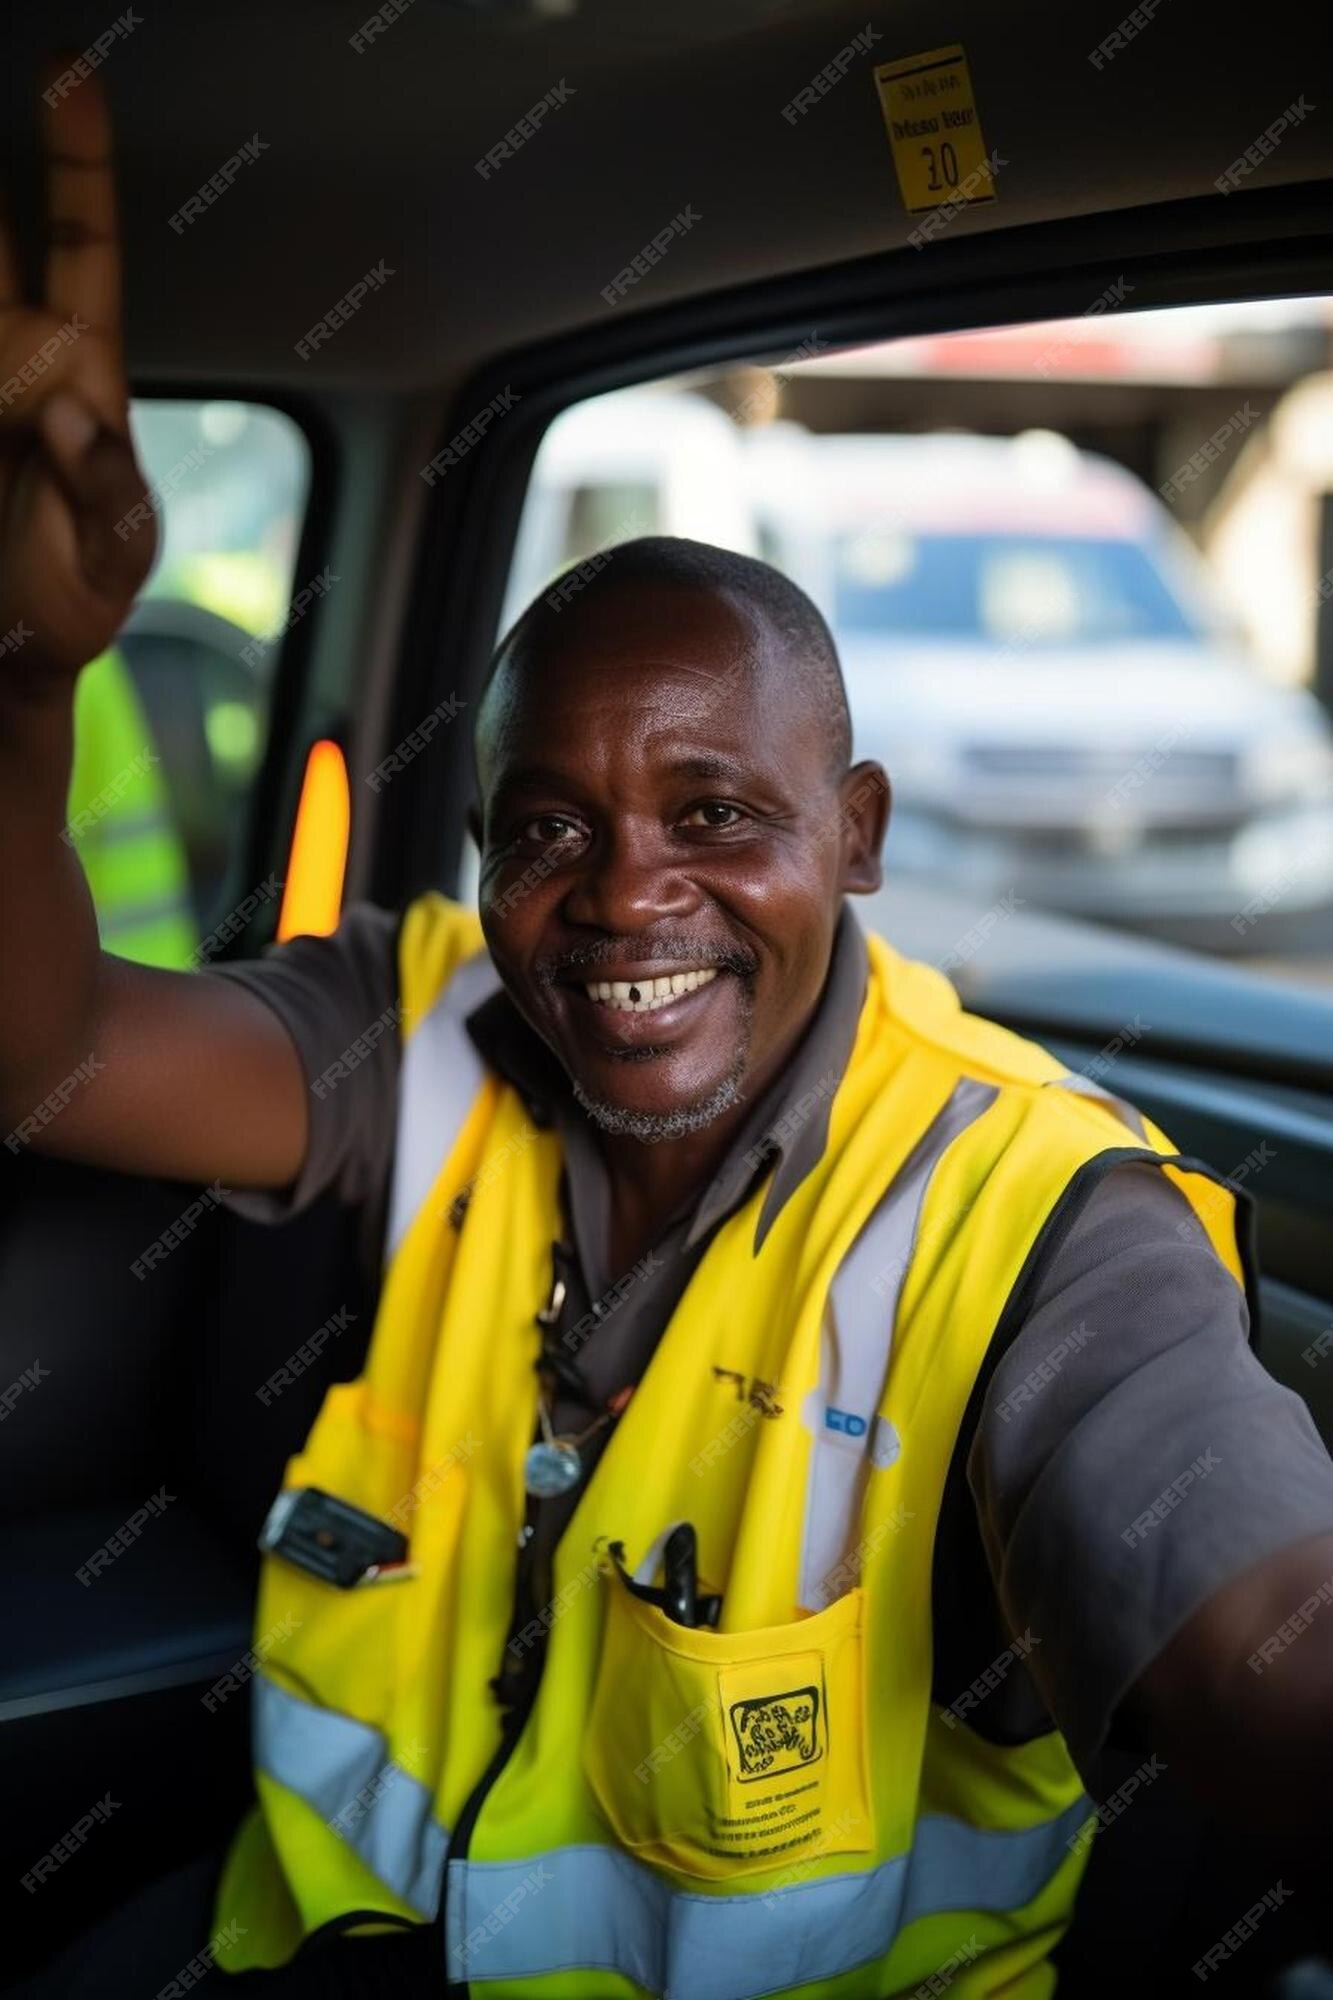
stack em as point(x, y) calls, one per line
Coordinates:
point(934, 132)
point(941, 167)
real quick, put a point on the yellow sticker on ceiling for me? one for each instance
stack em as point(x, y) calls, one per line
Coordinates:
point(934, 131)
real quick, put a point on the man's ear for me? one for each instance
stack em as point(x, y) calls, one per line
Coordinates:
point(864, 799)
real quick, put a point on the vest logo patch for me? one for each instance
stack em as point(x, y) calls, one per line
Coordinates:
point(776, 1732)
point(846, 1421)
point(752, 1389)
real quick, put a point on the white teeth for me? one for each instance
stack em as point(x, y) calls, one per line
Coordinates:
point(647, 995)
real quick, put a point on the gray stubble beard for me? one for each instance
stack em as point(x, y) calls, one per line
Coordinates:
point(652, 1127)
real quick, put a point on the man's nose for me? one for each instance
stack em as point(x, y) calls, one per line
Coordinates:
point(628, 882)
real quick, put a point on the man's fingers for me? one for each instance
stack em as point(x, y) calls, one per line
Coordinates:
point(100, 475)
point(40, 357)
point(68, 427)
point(83, 247)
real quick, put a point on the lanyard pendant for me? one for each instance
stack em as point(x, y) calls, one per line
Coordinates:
point(554, 1465)
point(551, 1466)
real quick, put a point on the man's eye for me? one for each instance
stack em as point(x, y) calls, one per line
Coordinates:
point(549, 830)
point(714, 813)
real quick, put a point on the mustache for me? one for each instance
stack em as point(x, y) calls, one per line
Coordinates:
point(725, 954)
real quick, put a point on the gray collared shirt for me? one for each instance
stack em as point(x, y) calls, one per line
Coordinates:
point(1154, 1364)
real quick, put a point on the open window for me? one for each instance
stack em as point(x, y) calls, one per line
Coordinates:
point(1072, 570)
point(171, 721)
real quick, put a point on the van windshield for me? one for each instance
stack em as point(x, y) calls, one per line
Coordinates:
point(1002, 590)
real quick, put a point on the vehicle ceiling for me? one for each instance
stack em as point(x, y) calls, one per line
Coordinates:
point(371, 156)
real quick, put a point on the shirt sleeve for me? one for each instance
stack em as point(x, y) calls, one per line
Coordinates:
point(1132, 1371)
point(337, 997)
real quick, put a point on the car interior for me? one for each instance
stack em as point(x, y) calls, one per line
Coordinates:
point(706, 203)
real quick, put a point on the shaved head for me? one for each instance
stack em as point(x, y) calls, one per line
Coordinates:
point(788, 634)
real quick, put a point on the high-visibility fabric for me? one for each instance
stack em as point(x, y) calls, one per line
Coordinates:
point(773, 1806)
point(120, 824)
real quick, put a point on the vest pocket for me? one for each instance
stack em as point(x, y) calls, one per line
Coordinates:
point(719, 1754)
point(360, 1650)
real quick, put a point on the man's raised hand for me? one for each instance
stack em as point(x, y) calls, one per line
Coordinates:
point(74, 543)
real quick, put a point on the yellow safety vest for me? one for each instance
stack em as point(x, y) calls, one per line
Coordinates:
point(121, 826)
point(774, 1806)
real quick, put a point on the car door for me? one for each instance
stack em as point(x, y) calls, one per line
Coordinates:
point(138, 1317)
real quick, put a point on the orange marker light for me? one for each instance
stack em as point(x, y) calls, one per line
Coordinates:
point(312, 898)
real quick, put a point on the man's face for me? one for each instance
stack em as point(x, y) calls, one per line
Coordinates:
point(658, 806)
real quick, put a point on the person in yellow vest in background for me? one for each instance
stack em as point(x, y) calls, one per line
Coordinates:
point(119, 820)
point(804, 1423)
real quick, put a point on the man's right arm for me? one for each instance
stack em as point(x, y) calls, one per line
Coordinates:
point(116, 1064)
point(100, 1060)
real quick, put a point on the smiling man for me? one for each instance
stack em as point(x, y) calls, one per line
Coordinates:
point(802, 1425)
point(660, 900)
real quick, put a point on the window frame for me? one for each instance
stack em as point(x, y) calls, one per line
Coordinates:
point(1235, 1056)
point(270, 809)
point(1272, 243)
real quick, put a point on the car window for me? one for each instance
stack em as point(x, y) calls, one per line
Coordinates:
point(170, 722)
point(1000, 589)
point(1072, 573)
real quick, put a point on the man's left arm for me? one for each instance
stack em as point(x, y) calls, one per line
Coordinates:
point(1158, 1511)
point(1241, 1700)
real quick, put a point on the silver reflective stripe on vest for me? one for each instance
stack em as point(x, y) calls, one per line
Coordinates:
point(440, 1076)
point(849, 1436)
point(595, 1907)
point(118, 831)
point(341, 1769)
point(1083, 1086)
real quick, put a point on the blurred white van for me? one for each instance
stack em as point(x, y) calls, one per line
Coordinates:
point(1034, 650)
point(639, 462)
